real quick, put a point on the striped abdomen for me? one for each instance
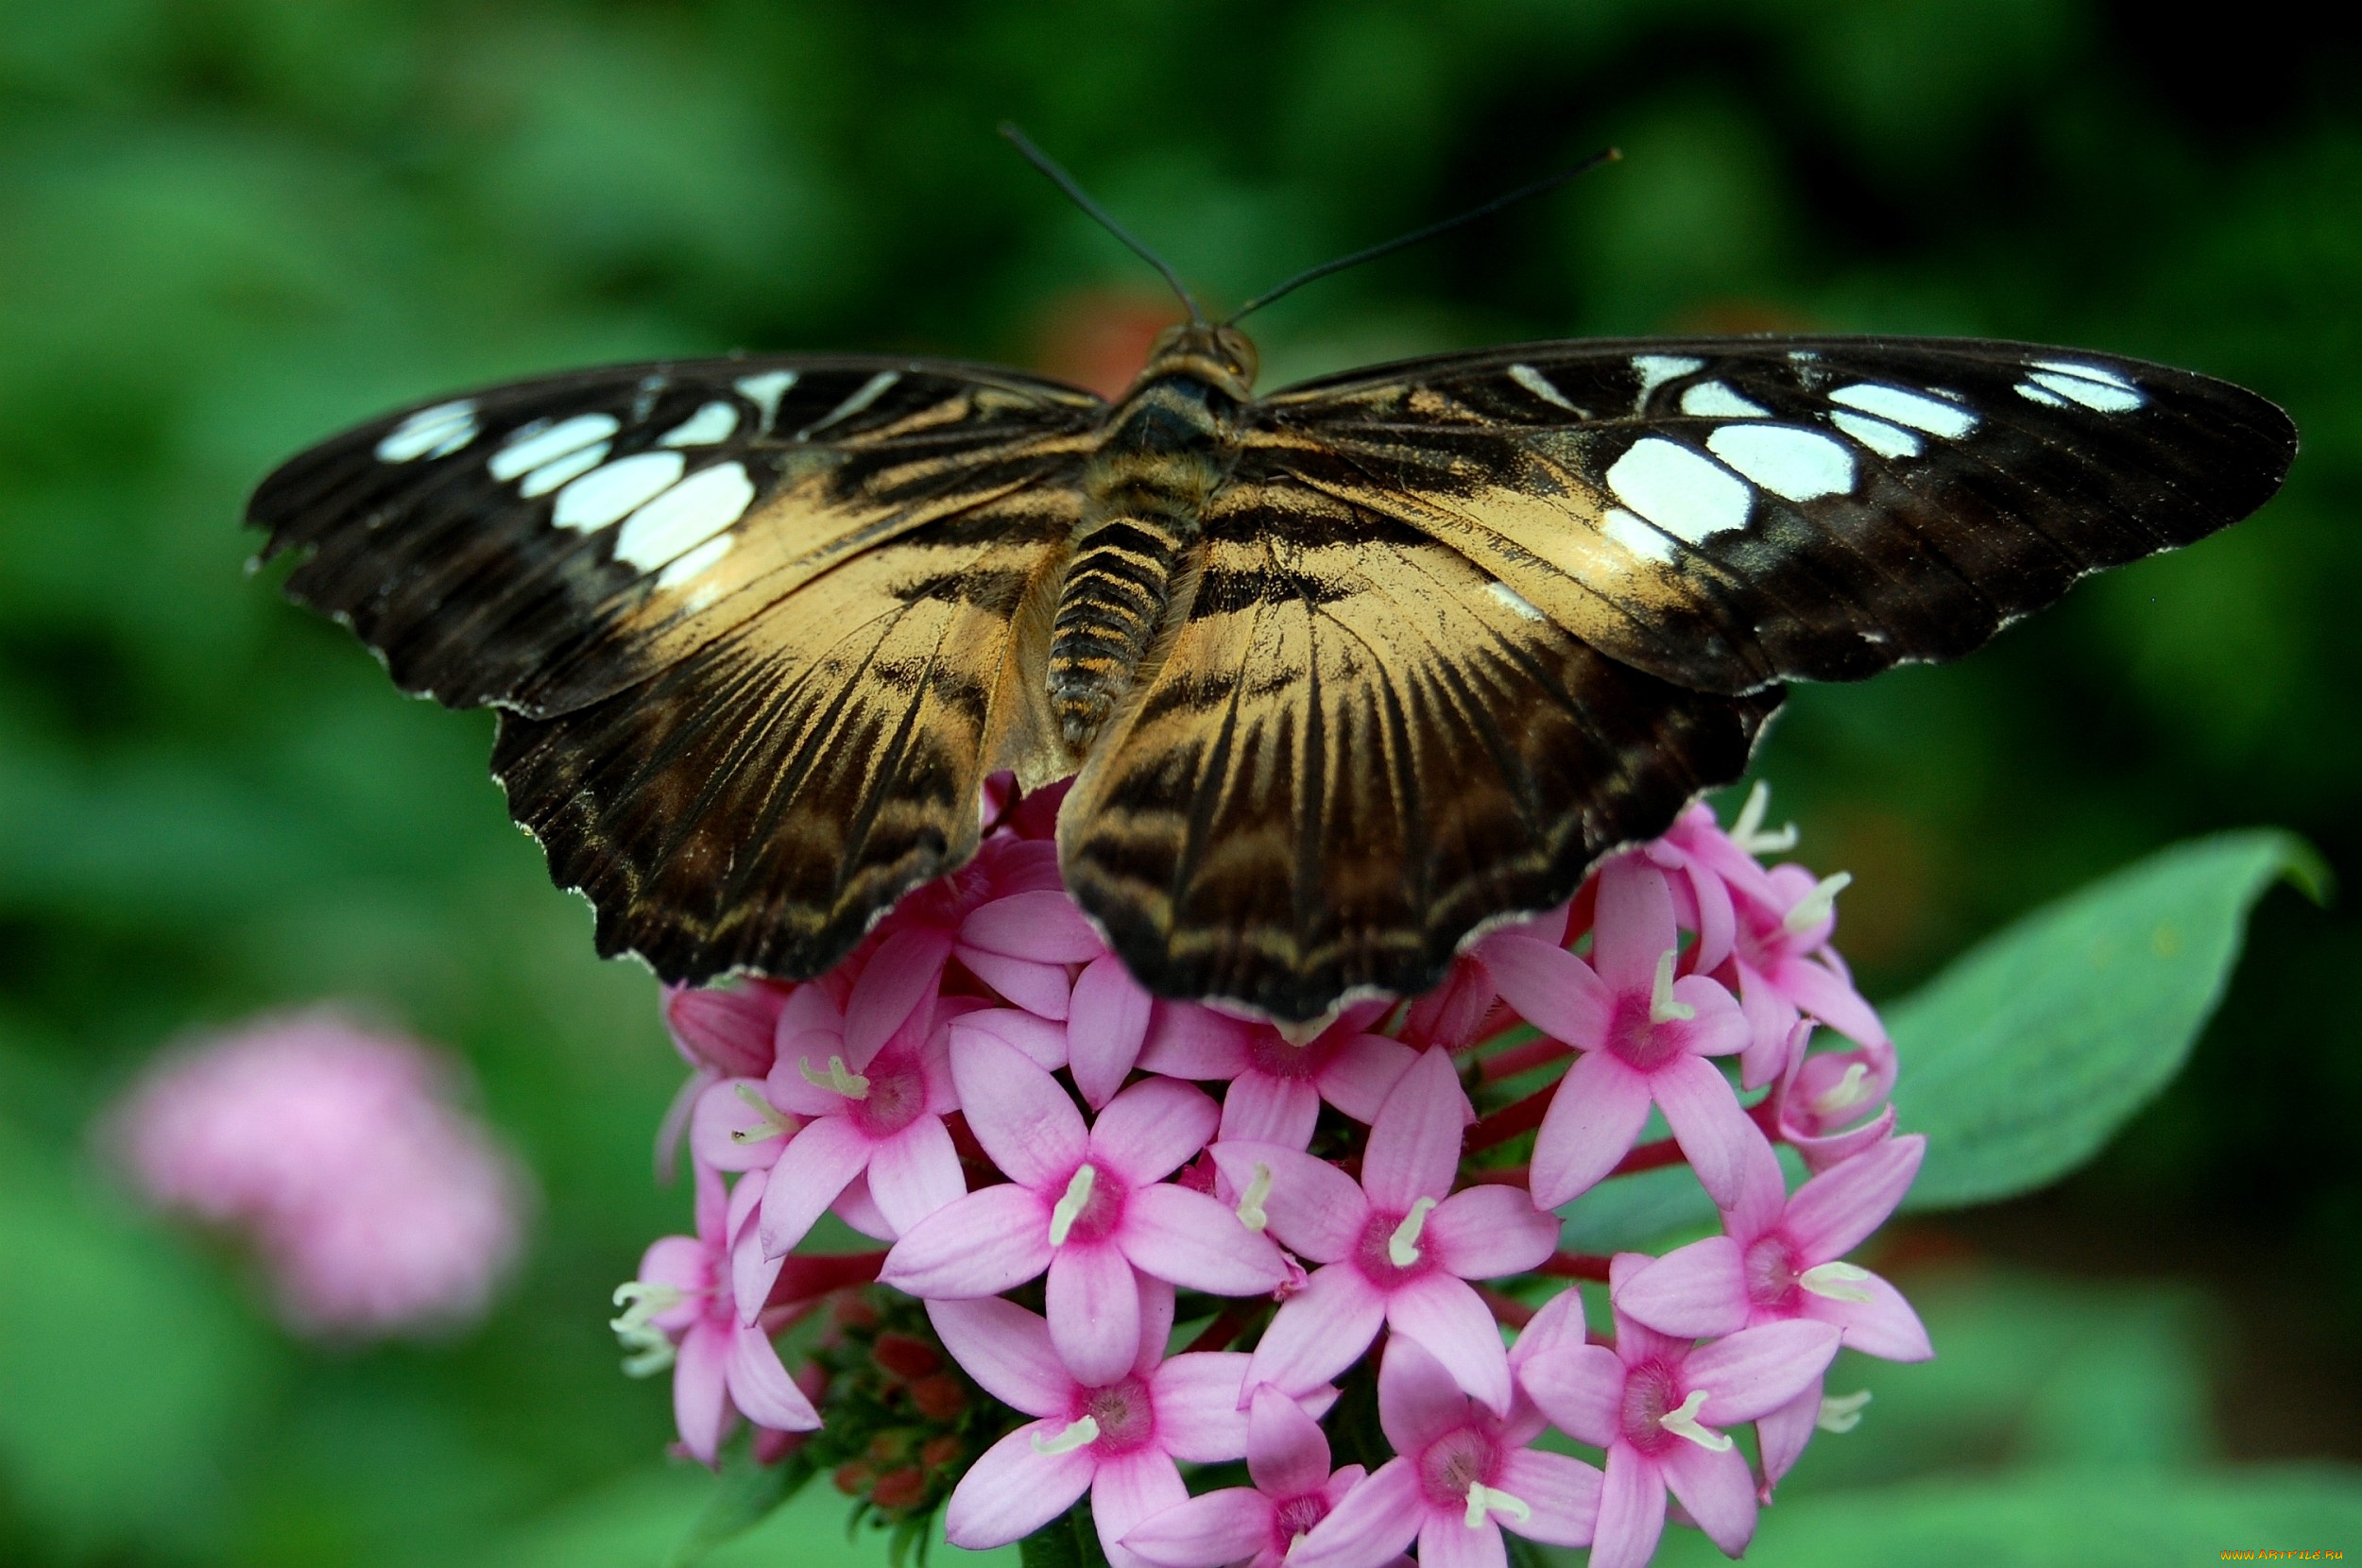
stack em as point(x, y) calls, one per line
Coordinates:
point(1110, 609)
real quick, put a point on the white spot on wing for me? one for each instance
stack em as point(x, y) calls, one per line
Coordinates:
point(2033, 394)
point(1802, 465)
point(710, 426)
point(1515, 601)
point(685, 517)
point(435, 431)
point(2104, 396)
point(1885, 439)
point(1711, 399)
point(523, 453)
point(1681, 492)
point(603, 495)
point(1539, 385)
point(541, 481)
point(1915, 409)
point(765, 391)
point(867, 393)
point(2089, 372)
point(1655, 370)
point(690, 565)
point(1636, 535)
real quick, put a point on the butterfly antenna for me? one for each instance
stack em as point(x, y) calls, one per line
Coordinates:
point(1419, 236)
point(1081, 198)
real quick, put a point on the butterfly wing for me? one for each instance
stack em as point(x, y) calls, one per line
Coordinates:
point(1468, 622)
point(757, 626)
point(1725, 513)
point(1356, 749)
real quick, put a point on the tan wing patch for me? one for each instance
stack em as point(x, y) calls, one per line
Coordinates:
point(1359, 748)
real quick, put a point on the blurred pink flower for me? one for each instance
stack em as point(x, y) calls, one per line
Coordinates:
point(375, 1205)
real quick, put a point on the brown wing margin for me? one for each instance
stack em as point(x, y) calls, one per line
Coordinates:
point(758, 803)
point(1358, 749)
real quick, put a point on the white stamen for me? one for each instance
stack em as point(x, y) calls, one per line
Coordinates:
point(1814, 907)
point(1847, 1092)
point(646, 1348)
point(1402, 1247)
point(1684, 1422)
point(1748, 833)
point(1081, 1434)
point(1251, 1213)
point(1836, 1282)
point(1484, 1500)
point(1841, 1413)
point(852, 1086)
point(1663, 1009)
point(774, 1124)
point(1069, 1209)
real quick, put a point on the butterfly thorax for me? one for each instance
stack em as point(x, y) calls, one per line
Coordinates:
point(1166, 448)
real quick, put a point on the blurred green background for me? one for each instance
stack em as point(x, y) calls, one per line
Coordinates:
point(231, 227)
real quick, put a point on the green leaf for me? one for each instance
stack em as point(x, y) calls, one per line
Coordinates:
point(2024, 1057)
point(2056, 1518)
point(746, 1495)
point(1070, 1541)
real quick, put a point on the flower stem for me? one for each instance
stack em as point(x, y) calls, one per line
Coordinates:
point(1521, 1058)
point(1575, 1266)
point(1510, 1120)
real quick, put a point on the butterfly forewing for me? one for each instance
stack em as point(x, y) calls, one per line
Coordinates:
point(1729, 512)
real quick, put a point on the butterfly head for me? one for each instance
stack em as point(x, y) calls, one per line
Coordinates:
point(1219, 356)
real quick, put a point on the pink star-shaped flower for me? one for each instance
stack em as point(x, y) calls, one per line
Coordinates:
point(1287, 1457)
point(1786, 969)
point(1461, 1474)
point(684, 1305)
point(1656, 1404)
point(1005, 915)
point(1276, 1087)
point(1116, 1436)
point(1830, 1105)
point(1778, 1260)
point(1643, 1035)
point(1089, 1206)
point(1397, 1246)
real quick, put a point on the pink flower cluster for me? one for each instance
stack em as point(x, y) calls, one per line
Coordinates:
point(1060, 1166)
point(375, 1205)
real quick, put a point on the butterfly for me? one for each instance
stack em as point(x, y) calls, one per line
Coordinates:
point(1346, 675)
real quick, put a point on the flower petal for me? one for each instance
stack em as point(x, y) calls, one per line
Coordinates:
point(1702, 1110)
point(1157, 1304)
point(1693, 1292)
point(1631, 1510)
point(1319, 1331)
point(1593, 1119)
point(1564, 1494)
point(897, 981)
point(732, 1129)
point(1581, 1387)
point(761, 1388)
point(1315, 1209)
point(1190, 1040)
point(1447, 1540)
point(1716, 1490)
point(701, 1405)
point(1189, 1240)
point(1040, 988)
point(1884, 1326)
point(1633, 927)
point(1014, 1490)
point(1418, 1399)
point(1106, 1024)
point(1558, 1325)
point(1550, 988)
point(1218, 1527)
point(1198, 1414)
point(1755, 1372)
point(1452, 1323)
point(1363, 1073)
point(1093, 1299)
point(1151, 1129)
point(1286, 1451)
point(1835, 1211)
point(1042, 1039)
point(1782, 1434)
point(1018, 1111)
point(1044, 926)
point(1126, 1492)
point(812, 1170)
point(1414, 1148)
point(916, 1173)
point(1007, 1351)
point(1271, 1110)
point(1377, 1520)
point(1486, 1232)
point(1718, 1028)
point(1762, 1194)
point(989, 1241)
point(1830, 998)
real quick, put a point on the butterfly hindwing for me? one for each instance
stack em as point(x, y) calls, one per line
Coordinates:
point(1726, 512)
point(754, 624)
point(1358, 747)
